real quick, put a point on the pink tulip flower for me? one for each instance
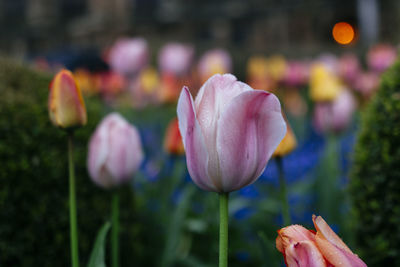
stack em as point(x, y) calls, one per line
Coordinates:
point(335, 116)
point(349, 68)
point(297, 73)
point(176, 58)
point(229, 132)
point(380, 57)
point(306, 248)
point(215, 61)
point(367, 83)
point(129, 55)
point(115, 152)
point(330, 61)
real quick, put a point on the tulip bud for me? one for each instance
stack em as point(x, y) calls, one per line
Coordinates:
point(215, 61)
point(303, 248)
point(335, 116)
point(173, 140)
point(288, 143)
point(66, 105)
point(229, 132)
point(115, 151)
point(129, 55)
point(324, 85)
point(176, 58)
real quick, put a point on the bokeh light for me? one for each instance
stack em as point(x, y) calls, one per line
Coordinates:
point(343, 33)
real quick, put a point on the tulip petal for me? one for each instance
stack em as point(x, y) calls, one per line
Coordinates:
point(304, 254)
point(97, 157)
point(337, 256)
point(193, 140)
point(66, 105)
point(292, 234)
point(125, 154)
point(249, 130)
point(212, 98)
point(332, 247)
point(326, 232)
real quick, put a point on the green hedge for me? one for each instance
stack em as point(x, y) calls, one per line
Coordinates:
point(34, 222)
point(375, 179)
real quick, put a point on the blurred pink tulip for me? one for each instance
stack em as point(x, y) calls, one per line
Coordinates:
point(176, 58)
point(129, 55)
point(335, 116)
point(367, 83)
point(297, 73)
point(305, 248)
point(330, 61)
point(349, 68)
point(215, 61)
point(381, 57)
point(115, 152)
point(229, 132)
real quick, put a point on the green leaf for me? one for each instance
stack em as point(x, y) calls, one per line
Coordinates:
point(97, 255)
point(175, 228)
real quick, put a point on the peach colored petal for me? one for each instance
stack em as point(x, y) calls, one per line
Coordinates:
point(292, 234)
point(304, 254)
point(336, 255)
point(327, 233)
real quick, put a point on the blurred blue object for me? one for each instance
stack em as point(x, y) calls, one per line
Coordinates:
point(300, 162)
point(244, 213)
point(250, 191)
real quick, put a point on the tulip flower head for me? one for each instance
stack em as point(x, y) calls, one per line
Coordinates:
point(324, 84)
point(215, 61)
point(66, 106)
point(276, 67)
point(349, 68)
point(129, 55)
point(288, 143)
point(115, 152)
point(176, 58)
point(173, 140)
point(296, 74)
point(258, 75)
point(335, 116)
point(323, 248)
point(381, 57)
point(229, 132)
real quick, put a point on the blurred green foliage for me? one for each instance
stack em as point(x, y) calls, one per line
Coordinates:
point(34, 222)
point(375, 181)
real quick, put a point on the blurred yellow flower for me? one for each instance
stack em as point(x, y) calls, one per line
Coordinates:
point(288, 143)
point(276, 67)
point(257, 66)
point(149, 80)
point(324, 85)
point(66, 106)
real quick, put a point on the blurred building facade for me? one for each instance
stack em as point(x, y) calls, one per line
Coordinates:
point(289, 26)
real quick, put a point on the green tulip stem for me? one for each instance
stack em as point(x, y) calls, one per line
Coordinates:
point(115, 229)
point(72, 204)
point(223, 229)
point(283, 193)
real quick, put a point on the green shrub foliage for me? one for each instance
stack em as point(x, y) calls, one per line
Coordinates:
point(375, 181)
point(34, 218)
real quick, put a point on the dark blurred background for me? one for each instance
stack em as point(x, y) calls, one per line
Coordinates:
point(292, 27)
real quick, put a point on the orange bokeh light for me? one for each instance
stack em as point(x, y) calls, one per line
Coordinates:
point(343, 33)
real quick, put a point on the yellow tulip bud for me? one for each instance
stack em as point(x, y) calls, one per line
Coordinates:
point(324, 85)
point(288, 143)
point(66, 106)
